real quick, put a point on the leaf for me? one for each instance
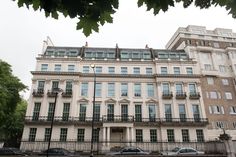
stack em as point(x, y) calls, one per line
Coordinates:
point(106, 17)
point(54, 15)
point(36, 4)
point(87, 25)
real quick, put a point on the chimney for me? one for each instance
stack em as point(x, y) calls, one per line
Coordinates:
point(146, 46)
point(117, 45)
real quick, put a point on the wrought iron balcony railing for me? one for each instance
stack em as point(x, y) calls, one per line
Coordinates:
point(67, 93)
point(168, 121)
point(194, 95)
point(38, 92)
point(167, 95)
point(180, 95)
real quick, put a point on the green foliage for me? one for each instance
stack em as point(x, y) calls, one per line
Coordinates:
point(10, 86)
point(93, 13)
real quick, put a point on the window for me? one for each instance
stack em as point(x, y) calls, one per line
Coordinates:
point(207, 67)
point(110, 112)
point(32, 134)
point(36, 111)
point(84, 89)
point(192, 88)
point(139, 135)
point(57, 67)
point(124, 112)
point(85, 69)
point(196, 113)
point(41, 86)
point(50, 111)
point(228, 95)
point(234, 125)
point(136, 70)
point(216, 109)
point(165, 88)
point(66, 111)
point(170, 135)
point(111, 70)
point(55, 85)
point(44, 67)
point(219, 125)
point(150, 90)
point(222, 68)
point(124, 70)
point(200, 135)
point(98, 92)
point(47, 134)
point(232, 109)
point(210, 80)
point(213, 95)
point(63, 134)
point(179, 88)
point(69, 87)
point(71, 68)
point(95, 135)
point(124, 89)
point(185, 135)
point(216, 45)
point(152, 112)
point(225, 82)
point(153, 135)
point(168, 112)
point(82, 112)
point(138, 113)
point(189, 71)
point(98, 70)
point(111, 90)
point(163, 70)
point(176, 70)
point(137, 90)
point(148, 71)
point(182, 113)
point(97, 112)
point(80, 135)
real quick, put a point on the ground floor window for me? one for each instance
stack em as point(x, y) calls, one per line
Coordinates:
point(63, 134)
point(80, 135)
point(185, 135)
point(153, 135)
point(47, 134)
point(32, 134)
point(139, 135)
point(96, 135)
point(200, 135)
point(170, 135)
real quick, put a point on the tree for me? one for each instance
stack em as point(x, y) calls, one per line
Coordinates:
point(94, 13)
point(10, 86)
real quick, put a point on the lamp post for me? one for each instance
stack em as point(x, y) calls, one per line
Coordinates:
point(94, 90)
point(55, 91)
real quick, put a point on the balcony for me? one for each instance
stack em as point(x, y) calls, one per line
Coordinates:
point(51, 93)
point(184, 121)
point(180, 95)
point(117, 119)
point(194, 95)
point(67, 93)
point(167, 95)
point(38, 92)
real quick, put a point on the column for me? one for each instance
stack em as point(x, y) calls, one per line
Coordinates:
point(127, 134)
point(108, 136)
point(104, 136)
point(132, 135)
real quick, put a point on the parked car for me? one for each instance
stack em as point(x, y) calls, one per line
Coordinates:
point(56, 152)
point(129, 151)
point(182, 151)
point(11, 151)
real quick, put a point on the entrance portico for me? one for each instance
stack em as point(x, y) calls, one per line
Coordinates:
point(117, 134)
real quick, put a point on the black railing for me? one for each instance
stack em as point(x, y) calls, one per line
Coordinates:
point(119, 119)
point(167, 95)
point(67, 93)
point(38, 92)
point(180, 95)
point(194, 95)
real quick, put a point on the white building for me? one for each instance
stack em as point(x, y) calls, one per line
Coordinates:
point(142, 96)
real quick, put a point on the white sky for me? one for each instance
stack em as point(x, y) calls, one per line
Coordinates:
point(22, 31)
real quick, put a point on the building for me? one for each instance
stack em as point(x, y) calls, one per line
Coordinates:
point(142, 96)
point(215, 53)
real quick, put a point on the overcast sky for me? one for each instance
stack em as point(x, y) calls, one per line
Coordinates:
point(22, 31)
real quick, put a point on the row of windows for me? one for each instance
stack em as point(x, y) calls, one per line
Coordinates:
point(222, 68)
point(111, 70)
point(218, 109)
point(217, 95)
point(221, 125)
point(210, 81)
point(138, 135)
point(124, 88)
point(138, 108)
